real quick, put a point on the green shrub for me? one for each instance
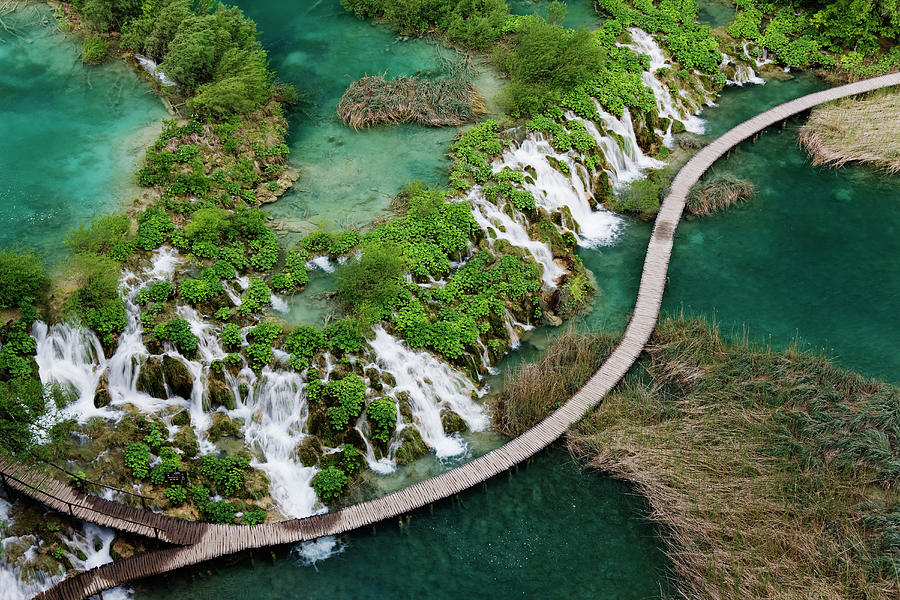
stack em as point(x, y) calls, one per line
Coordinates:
point(22, 277)
point(231, 337)
point(303, 343)
point(178, 331)
point(382, 414)
point(227, 473)
point(253, 516)
point(220, 513)
point(94, 50)
point(137, 458)
point(176, 495)
point(154, 228)
point(330, 483)
point(158, 291)
point(96, 302)
point(349, 395)
point(343, 336)
point(351, 460)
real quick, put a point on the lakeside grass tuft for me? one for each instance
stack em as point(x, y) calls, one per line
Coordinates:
point(856, 130)
point(774, 472)
point(717, 193)
point(534, 390)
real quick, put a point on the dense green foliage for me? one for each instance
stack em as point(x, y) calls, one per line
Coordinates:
point(209, 49)
point(22, 277)
point(303, 343)
point(382, 414)
point(855, 35)
point(97, 302)
point(177, 331)
point(472, 23)
point(329, 483)
point(94, 49)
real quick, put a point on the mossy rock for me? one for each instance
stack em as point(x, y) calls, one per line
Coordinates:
point(219, 393)
point(120, 549)
point(309, 451)
point(178, 377)
point(412, 446)
point(677, 126)
point(451, 421)
point(186, 440)
point(101, 396)
point(150, 378)
point(388, 379)
point(405, 407)
point(224, 426)
point(181, 418)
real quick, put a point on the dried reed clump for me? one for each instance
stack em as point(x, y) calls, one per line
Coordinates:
point(864, 130)
point(773, 473)
point(718, 193)
point(535, 390)
point(374, 100)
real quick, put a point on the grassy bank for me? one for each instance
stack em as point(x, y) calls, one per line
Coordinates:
point(856, 130)
point(774, 472)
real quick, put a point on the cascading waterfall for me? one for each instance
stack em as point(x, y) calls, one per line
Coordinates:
point(18, 582)
point(275, 413)
point(430, 384)
point(666, 105)
point(743, 73)
point(502, 226)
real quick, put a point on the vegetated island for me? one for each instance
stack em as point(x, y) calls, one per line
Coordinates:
point(374, 100)
point(865, 130)
point(774, 473)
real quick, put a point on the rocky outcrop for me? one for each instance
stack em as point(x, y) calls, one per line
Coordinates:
point(177, 377)
point(101, 396)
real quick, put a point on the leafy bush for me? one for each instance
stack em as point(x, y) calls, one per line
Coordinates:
point(255, 297)
point(178, 331)
point(330, 483)
point(343, 336)
point(349, 395)
point(96, 302)
point(22, 277)
point(231, 337)
point(94, 49)
point(351, 460)
point(176, 494)
point(253, 516)
point(137, 458)
point(154, 228)
point(158, 291)
point(303, 343)
point(382, 414)
point(220, 513)
point(227, 473)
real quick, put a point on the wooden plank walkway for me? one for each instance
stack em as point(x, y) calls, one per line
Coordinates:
point(218, 540)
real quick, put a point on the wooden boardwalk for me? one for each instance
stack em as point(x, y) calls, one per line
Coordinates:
point(213, 541)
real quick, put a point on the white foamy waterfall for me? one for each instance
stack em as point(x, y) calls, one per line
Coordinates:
point(743, 73)
point(275, 413)
point(19, 580)
point(666, 105)
point(149, 65)
point(431, 384)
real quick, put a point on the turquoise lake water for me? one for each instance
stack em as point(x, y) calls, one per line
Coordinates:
point(70, 135)
point(813, 253)
point(550, 530)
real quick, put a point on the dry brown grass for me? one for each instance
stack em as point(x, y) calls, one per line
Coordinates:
point(718, 193)
point(756, 464)
point(856, 130)
point(374, 100)
point(534, 390)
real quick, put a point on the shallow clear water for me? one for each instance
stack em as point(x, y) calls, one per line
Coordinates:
point(347, 177)
point(70, 135)
point(579, 13)
point(549, 530)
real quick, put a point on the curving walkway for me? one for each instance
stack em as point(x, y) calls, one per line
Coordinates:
point(218, 540)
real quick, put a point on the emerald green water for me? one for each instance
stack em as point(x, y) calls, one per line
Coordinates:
point(579, 13)
point(550, 530)
point(347, 177)
point(70, 135)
